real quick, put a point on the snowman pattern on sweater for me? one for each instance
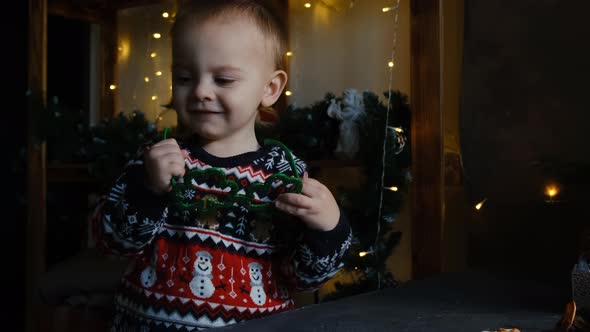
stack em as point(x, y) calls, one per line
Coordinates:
point(202, 285)
point(148, 276)
point(257, 293)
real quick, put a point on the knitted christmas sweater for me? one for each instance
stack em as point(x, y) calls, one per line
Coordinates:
point(214, 251)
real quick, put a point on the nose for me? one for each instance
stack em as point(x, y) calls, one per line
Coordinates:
point(203, 91)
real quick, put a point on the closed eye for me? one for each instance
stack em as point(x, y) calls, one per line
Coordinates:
point(224, 81)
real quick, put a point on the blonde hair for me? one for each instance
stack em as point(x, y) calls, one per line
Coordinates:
point(264, 18)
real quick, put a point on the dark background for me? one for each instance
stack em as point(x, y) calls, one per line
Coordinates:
point(524, 123)
point(14, 55)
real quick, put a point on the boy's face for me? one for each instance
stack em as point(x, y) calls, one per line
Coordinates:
point(220, 72)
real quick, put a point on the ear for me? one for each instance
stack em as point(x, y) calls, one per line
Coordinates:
point(274, 88)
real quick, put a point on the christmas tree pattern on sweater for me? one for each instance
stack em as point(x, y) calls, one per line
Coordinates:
point(199, 267)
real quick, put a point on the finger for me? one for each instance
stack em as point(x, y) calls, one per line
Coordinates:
point(296, 200)
point(158, 152)
point(177, 169)
point(165, 145)
point(169, 141)
point(185, 153)
point(291, 209)
point(171, 156)
point(313, 190)
point(305, 175)
point(312, 183)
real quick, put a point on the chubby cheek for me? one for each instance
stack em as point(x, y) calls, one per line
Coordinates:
point(179, 96)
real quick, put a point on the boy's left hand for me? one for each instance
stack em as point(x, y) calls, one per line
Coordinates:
point(315, 205)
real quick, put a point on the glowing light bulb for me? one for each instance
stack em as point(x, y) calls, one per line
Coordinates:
point(154, 97)
point(480, 204)
point(158, 73)
point(146, 79)
point(386, 9)
point(392, 188)
point(307, 5)
point(363, 254)
point(288, 93)
point(551, 191)
point(165, 14)
point(390, 64)
point(153, 55)
point(112, 87)
point(157, 35)
point(289, 53)
point(398, 129)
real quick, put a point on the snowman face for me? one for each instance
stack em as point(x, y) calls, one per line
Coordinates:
point(255, 274)
point(148, 277)
point(203, 264)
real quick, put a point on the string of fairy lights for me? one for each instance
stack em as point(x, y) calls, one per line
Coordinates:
point(390, 65)
point(146, 84)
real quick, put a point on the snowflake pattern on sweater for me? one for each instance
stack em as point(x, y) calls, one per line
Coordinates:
point(191, 271)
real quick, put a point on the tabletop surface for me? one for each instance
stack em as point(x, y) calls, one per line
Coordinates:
point(470, 301)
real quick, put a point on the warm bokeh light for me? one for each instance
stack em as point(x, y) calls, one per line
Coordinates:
point(552, 191)
point(480, 204)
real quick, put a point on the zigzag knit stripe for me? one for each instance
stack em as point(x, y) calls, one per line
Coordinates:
point(167, 308)
point(250, 173)
point(216, 240)
point(128, 316)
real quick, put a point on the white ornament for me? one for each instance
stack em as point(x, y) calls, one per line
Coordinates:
point(348, 112)
point(201, 284)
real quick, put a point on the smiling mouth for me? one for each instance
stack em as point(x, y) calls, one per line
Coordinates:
point(204, 112)
point(202, 269)
point(256, 278)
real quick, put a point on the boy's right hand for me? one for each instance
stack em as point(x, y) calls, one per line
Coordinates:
point(163, 161)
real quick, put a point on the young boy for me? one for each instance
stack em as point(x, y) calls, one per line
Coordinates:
point(222, 228)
